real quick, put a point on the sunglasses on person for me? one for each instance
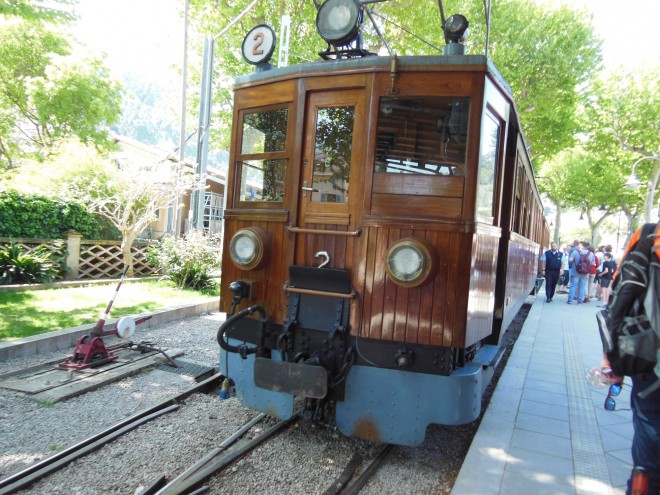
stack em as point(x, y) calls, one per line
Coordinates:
point(610, 403)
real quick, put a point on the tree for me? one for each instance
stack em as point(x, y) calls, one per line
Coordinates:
point(129, 195)
point(136, 195)
point(548, 57)
point(622, 118)
point(147, 115)
point(581, 180)
point(47, 94)
point(37, 10)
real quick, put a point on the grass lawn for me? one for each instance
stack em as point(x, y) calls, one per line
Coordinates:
point(33, 312)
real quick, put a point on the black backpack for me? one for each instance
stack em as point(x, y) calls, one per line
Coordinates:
point(630, 327)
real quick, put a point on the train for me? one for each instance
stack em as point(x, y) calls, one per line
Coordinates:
point(382, 229)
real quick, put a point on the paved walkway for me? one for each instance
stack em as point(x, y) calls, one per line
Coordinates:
point(545, 430)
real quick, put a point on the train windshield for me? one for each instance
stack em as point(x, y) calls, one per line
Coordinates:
point(262, 158)
point(422, 135)
point(332, 154)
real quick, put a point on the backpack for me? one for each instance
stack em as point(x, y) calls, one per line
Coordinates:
point(630, 328)
point(583, 265)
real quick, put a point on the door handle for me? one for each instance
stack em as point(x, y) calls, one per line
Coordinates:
point(304, 189)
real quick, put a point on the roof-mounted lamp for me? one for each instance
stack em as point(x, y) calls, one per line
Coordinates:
point(339, 23)
point(456, 30)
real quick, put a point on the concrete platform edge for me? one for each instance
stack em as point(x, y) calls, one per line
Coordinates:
point(67, 338)
point(483, 468)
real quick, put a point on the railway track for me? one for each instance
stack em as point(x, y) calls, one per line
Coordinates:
point(232, 449)
point(191, 479)
point(31, 474)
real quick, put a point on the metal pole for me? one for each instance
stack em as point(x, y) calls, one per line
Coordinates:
point(487, 7)
point(182, 133)
point(442, 17)
point(198, 196)
point(618, 231)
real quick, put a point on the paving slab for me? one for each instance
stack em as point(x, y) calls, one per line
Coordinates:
point(553, 437)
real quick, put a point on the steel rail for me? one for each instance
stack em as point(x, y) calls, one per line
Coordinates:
point(26, 480)
point(220, 458)
point(29, 475)
point(368, 473)
point(346, 475)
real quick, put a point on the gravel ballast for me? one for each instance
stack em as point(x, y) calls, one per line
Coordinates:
point(305, 459)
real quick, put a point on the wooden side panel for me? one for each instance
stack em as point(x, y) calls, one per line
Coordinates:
point(421, 206)
point(418, 185)
point(520, 276)
point(433, 314)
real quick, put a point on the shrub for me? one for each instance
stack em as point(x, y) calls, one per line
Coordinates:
point(189, 261)
point(21, 267)
point(34, 216)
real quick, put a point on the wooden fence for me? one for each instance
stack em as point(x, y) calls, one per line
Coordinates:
point(90, 259)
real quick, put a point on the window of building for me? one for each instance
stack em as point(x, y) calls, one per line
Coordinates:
point(213, 206)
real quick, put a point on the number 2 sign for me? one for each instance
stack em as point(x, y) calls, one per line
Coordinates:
point(259, 44)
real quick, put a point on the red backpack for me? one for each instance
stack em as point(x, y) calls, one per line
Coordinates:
point(583, 265)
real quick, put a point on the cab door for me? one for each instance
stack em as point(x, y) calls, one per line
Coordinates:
point(331, 180)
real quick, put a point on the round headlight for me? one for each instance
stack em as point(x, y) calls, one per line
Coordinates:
point(411, 262)
point(247, 247)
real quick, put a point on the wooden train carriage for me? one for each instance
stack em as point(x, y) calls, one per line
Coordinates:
point(350, 156)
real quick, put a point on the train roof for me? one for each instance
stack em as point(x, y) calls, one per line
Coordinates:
point(451, 62)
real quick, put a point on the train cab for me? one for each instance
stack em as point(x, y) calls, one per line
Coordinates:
point(382, 229)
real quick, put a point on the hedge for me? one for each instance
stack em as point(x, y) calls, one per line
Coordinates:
point(40, 217)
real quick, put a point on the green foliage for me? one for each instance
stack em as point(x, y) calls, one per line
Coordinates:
point(48, 94)
point(584, 180)
point(622, 115)
point(41, 217)
point(37, 10)
point(548, 57)
point(21, 267)
point(189, 262)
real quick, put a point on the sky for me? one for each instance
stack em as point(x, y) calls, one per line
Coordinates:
point(145, 37)
point(626, 27)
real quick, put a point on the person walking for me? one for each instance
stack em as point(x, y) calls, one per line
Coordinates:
point(565, 278)
point(591, 287)
point(551, 260)
point(609, 268)
point(580, 260)
point(600, 258)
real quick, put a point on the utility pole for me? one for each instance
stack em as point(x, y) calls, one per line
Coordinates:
point(182, 133)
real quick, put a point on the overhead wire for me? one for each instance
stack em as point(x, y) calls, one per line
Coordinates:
point(406, 30)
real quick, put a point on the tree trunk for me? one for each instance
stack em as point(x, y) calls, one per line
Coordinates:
point(126, 245)
point(557, 224)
